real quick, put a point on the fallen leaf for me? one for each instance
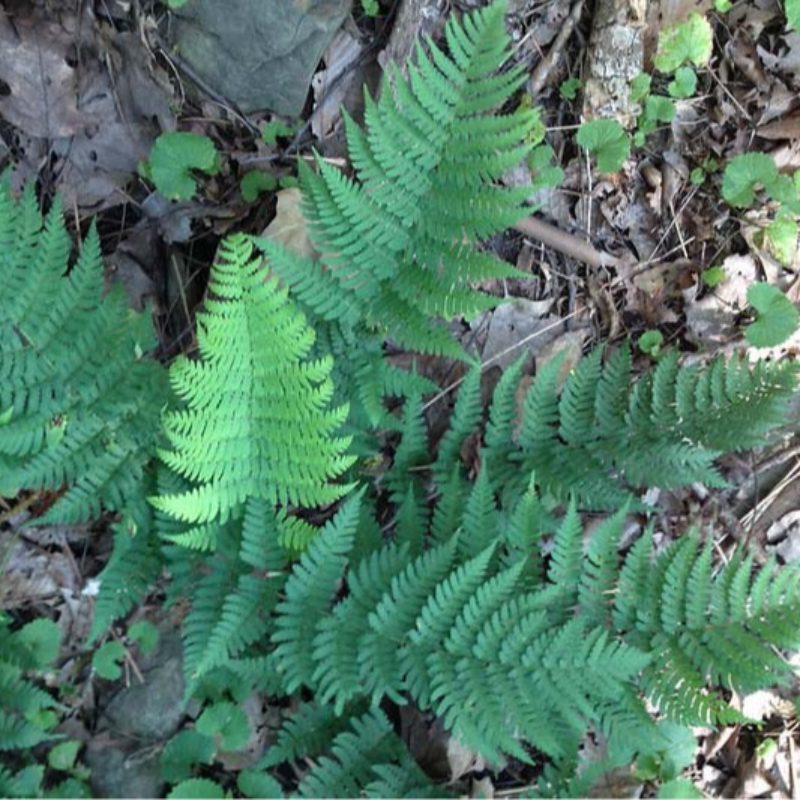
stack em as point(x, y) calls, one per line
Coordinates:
point(40, 83)
point(712, 318)
point(289, 226)
point(331, 84)
point(462, 760)
point(513, 322)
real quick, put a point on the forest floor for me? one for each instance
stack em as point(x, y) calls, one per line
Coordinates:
point(86, 88)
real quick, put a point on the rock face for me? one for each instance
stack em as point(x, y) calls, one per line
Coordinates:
point(124, 755)
point(152, 711)
point(117, 773)
point(259, 55)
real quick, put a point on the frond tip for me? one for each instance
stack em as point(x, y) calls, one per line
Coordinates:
point(254, 421)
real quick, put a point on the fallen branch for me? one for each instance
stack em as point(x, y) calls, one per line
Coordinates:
point(566, 243)
point(545, 66)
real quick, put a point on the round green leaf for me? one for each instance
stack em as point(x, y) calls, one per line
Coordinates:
point(62, 757)
point(174, 156)
point(106, 658)
point(226, 723)
point(146, 634)
point(182, 752)
point(743, 174)
point(256, 183)
point(687, 42)
point(607, 140)
point(777, 316)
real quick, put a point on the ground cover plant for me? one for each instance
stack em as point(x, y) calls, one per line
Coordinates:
point(509, 578)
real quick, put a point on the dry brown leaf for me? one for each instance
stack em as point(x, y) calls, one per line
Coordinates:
point(40, 81)
point(712, 318)
point(289, 226)
point(32, 575)
point(513, 322)
point(331, 85)
point(787, 127)
point(462, 759)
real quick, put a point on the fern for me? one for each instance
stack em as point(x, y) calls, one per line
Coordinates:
point(79, 404)
point(28, 713)
point(606, 434)
point(399, 239)
point(254, 424)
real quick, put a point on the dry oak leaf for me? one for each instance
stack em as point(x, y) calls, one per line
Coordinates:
point(39, 86)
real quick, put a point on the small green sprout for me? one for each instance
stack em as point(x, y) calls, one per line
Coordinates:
point(256, 183)
point(544, 166)
point(714, 276)
point(697, 176)
point(640, 87)
point(570, 88)
point(781, 237)
point(650, 343)
point(106, 660)
point(684, 84)
point(277, 129)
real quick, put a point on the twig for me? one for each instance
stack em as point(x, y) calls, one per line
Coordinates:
point(566, 243)
point(18, 508)
point(545, 66)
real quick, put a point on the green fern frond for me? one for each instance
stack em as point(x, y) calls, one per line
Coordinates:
point(79, 403)
point(466, 418)
point(398, 241)
point(254, 423)
point(27, 712)
point(307, 733)
point(309, 593)
point(604, 435)
point(354, 754)
point(134, 565)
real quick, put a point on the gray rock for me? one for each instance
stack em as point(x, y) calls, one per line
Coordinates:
point(258, 55)
point(117, 773)
point(152, 711)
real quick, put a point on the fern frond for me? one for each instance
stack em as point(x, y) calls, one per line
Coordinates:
point(399, 238)
point(370, 741)
point(254, 423)
point(466, 417)
point(79, 403)
point(309, 592)
point(134, 565)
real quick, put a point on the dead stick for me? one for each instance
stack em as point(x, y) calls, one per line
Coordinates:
point(566, 243)
point(545, 66)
